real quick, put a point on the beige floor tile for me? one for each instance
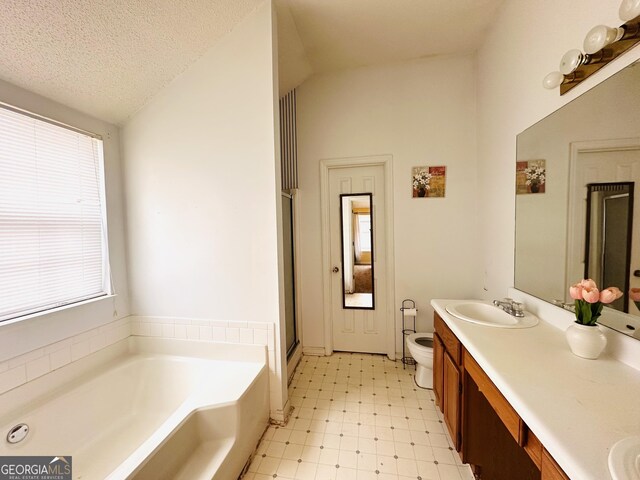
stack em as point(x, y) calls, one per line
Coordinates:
point(358, 417)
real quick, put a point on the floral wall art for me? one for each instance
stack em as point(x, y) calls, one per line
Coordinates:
point(531, 176)
point(428, 182)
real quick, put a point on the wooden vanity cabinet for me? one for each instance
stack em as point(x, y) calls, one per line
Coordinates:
point(485, 429)
point(550, 469)
point(494, 433)
point(447, 378)
point(452, 396)
point(533, 447)
point(503, 409)
point(438, 371)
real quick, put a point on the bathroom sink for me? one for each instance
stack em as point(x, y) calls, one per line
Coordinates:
point(624, 459)
point(490, 315)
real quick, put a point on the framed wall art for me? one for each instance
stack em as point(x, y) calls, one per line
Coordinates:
point(428, 182)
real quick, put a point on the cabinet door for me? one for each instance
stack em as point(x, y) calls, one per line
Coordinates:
point(438, 373)
point(451, 399)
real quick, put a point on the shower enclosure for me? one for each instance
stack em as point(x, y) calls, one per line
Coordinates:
point(289, 273)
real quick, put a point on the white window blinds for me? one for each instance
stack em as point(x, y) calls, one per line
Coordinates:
point(53, 248)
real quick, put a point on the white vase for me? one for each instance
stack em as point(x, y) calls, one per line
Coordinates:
point(586, 341)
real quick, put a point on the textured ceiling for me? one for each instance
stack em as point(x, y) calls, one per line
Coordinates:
point(339, 34)
point(108, 57)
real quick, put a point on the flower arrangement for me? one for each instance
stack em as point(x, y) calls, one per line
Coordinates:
point(535, 175)
point(590, 300)
point(421, 180)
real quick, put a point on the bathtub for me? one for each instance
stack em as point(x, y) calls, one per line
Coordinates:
point(146, 408)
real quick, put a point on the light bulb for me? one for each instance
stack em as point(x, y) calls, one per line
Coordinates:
point(601, 36)
point(570, 61)
point(553, 80)
point(629, 9)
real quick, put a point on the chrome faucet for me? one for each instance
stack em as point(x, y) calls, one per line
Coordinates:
point(567, 306)
point(510, 306)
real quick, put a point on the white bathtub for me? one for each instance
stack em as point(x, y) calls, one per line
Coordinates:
point(146, 408)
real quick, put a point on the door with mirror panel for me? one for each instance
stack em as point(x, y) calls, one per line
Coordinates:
point(357, 249)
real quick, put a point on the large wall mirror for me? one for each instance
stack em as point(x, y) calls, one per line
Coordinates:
point(357, 251)
point(585, 222)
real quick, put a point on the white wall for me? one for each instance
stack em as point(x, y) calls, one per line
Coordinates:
point(42, 330)
point(525, 43)
point(202, 182)
point(422, 113)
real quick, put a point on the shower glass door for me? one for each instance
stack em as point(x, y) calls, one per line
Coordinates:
point(289, 274)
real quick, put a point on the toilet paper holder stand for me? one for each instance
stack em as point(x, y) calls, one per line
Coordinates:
point(409, 311)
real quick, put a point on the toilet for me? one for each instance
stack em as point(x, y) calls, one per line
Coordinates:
point(420, 347)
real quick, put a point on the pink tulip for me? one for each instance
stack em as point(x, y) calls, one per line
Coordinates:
point(588, 284)
point(576, 291)
point(591, 295)
point(610, 294)
point(634, 294)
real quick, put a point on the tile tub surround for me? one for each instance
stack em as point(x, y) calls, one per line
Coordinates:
point(252, 333)
point(219, 331)
point(577, 408)
point(24, 368)
point(358, 417)
point(31, 365)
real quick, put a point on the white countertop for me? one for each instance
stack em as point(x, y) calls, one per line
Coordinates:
point(578, 408)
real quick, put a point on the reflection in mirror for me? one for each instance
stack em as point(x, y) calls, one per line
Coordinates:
point(357, 251)
point(608, 241)
point(592, 140)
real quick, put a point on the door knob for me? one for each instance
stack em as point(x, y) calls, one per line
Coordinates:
point(636, 273)
point(335, 270)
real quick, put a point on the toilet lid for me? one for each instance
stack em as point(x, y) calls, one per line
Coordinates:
point(425, 341)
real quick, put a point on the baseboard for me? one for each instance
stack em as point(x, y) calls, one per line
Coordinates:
point(281, 417)
point(313, 351)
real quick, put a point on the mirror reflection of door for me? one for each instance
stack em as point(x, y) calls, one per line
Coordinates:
point(608, 241)
point(357, 251)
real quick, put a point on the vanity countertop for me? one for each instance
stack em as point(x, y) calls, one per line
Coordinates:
point(578, 408)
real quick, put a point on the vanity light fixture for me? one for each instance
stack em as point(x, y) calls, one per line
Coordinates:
point(573, 59)
point(552, 80)
point(555, 79)
point(601, 45)
point(601, 36)
point(629, 9)
point(569, 65)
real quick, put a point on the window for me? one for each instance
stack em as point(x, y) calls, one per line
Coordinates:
point(364, 225)
point(53, 248)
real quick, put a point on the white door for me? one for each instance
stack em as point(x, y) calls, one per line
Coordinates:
point(355, 329)
point(602, 167)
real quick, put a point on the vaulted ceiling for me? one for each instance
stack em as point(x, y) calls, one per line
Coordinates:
point(339, 34)
point(109, 57)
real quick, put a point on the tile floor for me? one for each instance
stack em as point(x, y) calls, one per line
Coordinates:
point(358, 417)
